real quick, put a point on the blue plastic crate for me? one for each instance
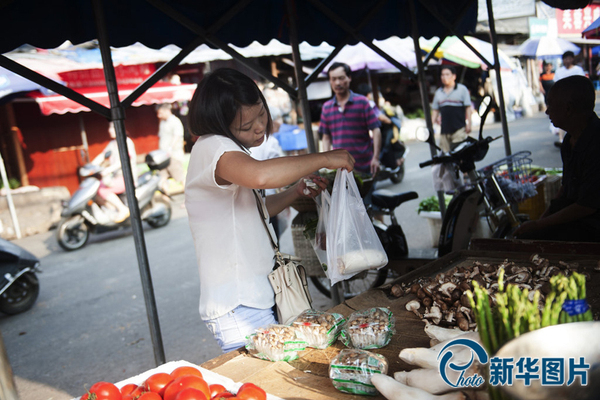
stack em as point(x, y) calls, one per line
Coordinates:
point(291, 138)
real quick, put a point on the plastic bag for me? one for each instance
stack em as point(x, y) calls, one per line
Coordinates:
point(275, 343)
point(319, 242)
point(369, 329)
point(352, 243)
point(351, 371)
point(318, 328)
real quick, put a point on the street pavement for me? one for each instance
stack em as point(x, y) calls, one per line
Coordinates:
point(90, 323)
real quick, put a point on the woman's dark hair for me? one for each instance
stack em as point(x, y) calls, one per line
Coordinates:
point(336, 65)
point(217, 100)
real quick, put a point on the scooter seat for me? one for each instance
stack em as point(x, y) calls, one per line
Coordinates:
point(390, 200)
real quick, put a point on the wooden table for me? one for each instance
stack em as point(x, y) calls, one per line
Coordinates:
point(307, 377)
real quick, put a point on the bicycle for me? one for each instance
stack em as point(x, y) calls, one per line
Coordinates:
point(491, 194)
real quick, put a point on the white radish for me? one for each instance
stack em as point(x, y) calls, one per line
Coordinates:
point(391, 389)
point(430, 380)
point(441, 334)
point(466, 335)
point(427, 358)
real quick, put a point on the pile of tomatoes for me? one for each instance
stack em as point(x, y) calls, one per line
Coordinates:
point(184, 383)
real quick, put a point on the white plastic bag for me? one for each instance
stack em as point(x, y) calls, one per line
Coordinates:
point(352, 243)
point(319, 242)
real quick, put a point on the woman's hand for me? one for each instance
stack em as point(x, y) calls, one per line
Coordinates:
point(304, 190)
point(339, 159)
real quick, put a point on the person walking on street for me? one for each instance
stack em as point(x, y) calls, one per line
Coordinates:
point(546, 80)
point(170, 139)
point(112, 183)
point(569, 68)
point(574, 215)
point(230, 115)
point(346, 120)
point(452, 110)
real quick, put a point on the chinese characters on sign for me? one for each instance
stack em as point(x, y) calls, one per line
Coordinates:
point(575, 21)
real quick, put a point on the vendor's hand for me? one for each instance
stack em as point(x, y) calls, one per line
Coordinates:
point(339, 159)
point(375, 166)
point(525, 227)
point(305, 190)
point(468, 128)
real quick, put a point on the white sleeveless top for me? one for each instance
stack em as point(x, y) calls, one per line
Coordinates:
point(233, 250)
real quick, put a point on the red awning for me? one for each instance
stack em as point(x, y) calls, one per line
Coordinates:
point(158, 94)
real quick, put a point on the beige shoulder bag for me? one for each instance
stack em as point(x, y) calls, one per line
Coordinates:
point(288, 278)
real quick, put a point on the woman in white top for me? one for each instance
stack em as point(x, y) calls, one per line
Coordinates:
point(230, 115)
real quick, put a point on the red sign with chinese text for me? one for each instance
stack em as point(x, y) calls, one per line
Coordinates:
point(573, 22)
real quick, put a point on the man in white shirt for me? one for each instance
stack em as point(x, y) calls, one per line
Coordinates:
point(568, 69)
point(170, 139)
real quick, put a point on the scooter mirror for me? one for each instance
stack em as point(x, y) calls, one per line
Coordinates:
point(422, 134)
point(485, 103)
point(107, 154)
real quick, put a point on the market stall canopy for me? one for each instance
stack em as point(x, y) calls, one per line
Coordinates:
point(547, 47)
point(158, 94)
point(360, 56)
point(12, 84)
point(150, 23)
point(454, 50)
point(592, 31)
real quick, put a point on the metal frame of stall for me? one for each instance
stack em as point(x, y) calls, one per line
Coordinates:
point(116, 112)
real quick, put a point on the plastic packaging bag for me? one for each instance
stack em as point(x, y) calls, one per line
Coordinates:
point(275, 343)
point(319, 242)
point(352, 243)
point(318, 328)
point(351, 371)
point(369, 329)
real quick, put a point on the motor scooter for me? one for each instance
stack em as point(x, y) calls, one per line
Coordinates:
point(83, 213)
point(392, 150)
point(19, 285)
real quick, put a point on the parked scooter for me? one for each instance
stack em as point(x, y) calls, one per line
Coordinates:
point(82, 214)
point(393, 149)
point(19, 285)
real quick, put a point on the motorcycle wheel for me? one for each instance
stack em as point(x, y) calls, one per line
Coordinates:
point(72, 233)
point(399, 176)
point(164, 219)
point(21, 295)
point(354, 286)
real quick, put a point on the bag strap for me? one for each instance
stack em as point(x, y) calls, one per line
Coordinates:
point(261, 209)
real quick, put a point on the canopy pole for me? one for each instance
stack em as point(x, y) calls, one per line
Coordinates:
point(302, 95)
point(118, 116)
point(502, 105)
point(424, 95)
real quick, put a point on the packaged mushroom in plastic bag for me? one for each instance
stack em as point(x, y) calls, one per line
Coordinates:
point(319, 329)
point(351, 371)
point(275, 343)
point(368, 329)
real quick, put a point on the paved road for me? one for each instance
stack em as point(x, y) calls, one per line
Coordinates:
point(90, 323)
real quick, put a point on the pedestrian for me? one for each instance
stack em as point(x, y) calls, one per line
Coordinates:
point(346, 120)
point(569, 68)
point(546, 80)
point(452, 110)
point(112, 183)
point(170, 139)
point(229, 115)
point(574, 215)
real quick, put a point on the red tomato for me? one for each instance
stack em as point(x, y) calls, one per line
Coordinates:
point(182, 371)
point(191, 394)
point(158, 382)
point(216, 389)
point(252, 393)
point(103, 391)
point(223, 395)
point(149, 396)
point(249, 391)
point(184, 382)
point(127, 389)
